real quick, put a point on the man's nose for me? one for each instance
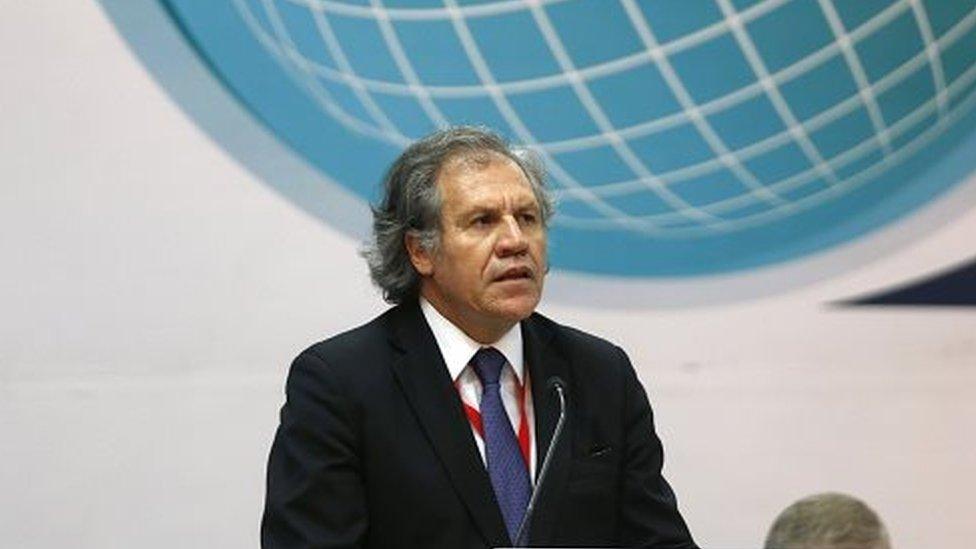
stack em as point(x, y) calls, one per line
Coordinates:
point(512, 239)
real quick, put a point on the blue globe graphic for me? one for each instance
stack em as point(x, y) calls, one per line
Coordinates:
point(681, 138)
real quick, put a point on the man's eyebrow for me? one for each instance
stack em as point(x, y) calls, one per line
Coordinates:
point(521, 205)
point(477, 210)
point(482, 208)
point(527, 204)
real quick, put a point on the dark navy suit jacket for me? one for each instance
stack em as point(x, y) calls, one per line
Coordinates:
point(374, 449)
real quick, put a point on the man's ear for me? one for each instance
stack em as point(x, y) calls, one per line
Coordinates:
point(419, 255)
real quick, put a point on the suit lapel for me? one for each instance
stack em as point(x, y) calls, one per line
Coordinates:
point(430, 391)
point(545, 361)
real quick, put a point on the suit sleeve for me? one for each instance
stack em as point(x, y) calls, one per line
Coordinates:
point(315, 494)
point(649, 510)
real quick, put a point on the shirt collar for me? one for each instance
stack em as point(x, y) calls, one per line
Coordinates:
point(458, 349)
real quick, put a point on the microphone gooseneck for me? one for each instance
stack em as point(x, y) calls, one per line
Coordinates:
point(554, 383)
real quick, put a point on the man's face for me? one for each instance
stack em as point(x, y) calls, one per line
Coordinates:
point(488, 270)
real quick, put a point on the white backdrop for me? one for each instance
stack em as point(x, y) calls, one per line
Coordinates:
point(153, 292)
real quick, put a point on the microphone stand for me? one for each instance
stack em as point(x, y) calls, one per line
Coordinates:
point(554, 383)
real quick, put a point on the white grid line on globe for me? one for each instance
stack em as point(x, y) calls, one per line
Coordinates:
point(745, 93)
point(813, 200)
point(613, 67)
point(782, 108)
point(339, 55)
point(933, 51)
point(542, 83)
point(404, 66)
point(879, 20)
point(857, 71)
point(500, 7)
point(596, 114)
point(620, 218)
point(852, 155)
point(687, 103)
point(292, 66)
point(325, 101)
point(600, 119)
point(812, 124)
point(708, 165)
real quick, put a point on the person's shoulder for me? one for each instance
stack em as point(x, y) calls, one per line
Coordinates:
point(362, 345)
point(342, 367)
point(573, 340)
point(603, 365)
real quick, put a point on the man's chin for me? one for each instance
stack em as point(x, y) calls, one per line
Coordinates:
point(517, 307)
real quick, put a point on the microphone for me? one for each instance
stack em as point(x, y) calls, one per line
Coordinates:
point(555, 383)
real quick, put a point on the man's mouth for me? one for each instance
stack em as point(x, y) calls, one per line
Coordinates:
point(515, 273)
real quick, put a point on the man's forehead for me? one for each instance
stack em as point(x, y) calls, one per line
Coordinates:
point(466, 181)
point(469, 162)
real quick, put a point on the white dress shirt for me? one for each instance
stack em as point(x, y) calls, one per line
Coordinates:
point(458, 349)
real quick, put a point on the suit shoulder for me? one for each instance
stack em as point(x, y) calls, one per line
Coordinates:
point(355, 346)
point(575, 338)
point(603, 365)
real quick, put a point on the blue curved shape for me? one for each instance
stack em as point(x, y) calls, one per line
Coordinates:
point(276, 59)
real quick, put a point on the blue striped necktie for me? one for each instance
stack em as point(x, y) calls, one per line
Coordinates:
point(506, 466)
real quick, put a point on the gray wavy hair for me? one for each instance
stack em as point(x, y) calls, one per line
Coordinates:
point(828, 521)
point(411, 202)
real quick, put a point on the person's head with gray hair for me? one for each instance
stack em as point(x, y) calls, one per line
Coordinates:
point(412, 200)
point(828, 521)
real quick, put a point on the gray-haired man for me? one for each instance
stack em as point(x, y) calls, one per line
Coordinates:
point(828, 521)
point(435, 424)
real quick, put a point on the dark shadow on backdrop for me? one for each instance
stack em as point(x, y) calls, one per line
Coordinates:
point(957, 287)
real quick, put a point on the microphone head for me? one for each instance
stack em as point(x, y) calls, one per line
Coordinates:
point(554, 383)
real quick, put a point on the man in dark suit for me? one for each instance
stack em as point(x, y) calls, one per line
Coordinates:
point(433, 425)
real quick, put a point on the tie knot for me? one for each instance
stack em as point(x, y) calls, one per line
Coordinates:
point(488, 363)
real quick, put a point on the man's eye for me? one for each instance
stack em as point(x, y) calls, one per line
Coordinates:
point(529, 218)
point(481, 221)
